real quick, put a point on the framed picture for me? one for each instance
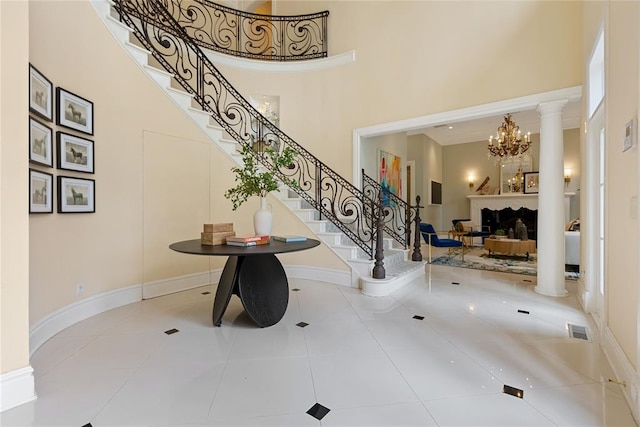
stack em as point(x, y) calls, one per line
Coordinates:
point(74, 112)
point(40, 94)
point(40, 192)
point(75, 153)
point(531, 182)
point(76, 195)
point(40, 145)
point(389, 176)
point(435, 193)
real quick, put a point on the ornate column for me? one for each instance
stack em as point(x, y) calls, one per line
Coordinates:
point(551, 201)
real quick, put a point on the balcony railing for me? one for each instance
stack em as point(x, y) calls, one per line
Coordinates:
point(250, 35)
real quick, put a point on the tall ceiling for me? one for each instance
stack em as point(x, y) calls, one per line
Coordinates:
point(480, 129)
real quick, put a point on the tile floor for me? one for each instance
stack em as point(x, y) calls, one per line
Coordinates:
point(360, 361)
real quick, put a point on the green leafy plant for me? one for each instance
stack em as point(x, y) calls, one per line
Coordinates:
point(252, 181)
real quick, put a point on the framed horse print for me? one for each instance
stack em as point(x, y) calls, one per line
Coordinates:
point(74, 112)
point(40, 94)
point(40, 192)
point(76, 195)
point(40, 143)
point(75, 153)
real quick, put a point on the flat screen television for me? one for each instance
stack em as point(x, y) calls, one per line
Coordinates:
point(436, 193)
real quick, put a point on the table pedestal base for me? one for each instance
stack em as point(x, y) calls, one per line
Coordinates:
point(261, 284)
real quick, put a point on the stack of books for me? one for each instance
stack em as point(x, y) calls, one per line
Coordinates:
point(245, 241)
point(290, 238)
point(216, 234)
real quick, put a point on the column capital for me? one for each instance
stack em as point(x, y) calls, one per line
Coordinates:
point(552, 107)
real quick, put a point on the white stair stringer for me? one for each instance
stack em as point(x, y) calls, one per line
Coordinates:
point(399, 270)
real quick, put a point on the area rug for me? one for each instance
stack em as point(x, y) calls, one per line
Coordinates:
point(478, 259)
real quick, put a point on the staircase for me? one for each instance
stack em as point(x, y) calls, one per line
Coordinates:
point(399, 269)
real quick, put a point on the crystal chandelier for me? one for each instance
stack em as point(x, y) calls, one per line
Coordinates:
point(508, 142)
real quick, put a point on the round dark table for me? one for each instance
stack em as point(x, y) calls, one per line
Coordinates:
point(253, 273)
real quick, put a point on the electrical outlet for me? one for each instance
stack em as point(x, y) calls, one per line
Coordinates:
point(79, 289)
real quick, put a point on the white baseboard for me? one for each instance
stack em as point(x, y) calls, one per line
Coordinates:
point(328, 275)
point(83, 309)
point(181, 283)
point(622, 369)
point(16, 387)
point(80, 310)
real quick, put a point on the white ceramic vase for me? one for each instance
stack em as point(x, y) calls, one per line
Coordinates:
point(263, 219)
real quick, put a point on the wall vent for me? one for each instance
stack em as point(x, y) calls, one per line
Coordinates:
point(579, 332)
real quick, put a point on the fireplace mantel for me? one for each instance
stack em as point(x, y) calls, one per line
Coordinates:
point(514, 201)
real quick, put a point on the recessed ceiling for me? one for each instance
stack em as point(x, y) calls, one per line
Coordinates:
point(480, 129)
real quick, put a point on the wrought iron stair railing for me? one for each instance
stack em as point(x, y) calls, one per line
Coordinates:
point(399, 216)
point(334, 197)
point(351, 210)
point(251, 35)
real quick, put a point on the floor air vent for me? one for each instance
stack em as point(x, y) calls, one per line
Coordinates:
point(578, 332)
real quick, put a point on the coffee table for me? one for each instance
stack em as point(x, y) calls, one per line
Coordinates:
point(254, 274)
point(510, 246)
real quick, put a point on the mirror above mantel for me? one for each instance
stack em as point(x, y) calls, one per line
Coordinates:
point(512, 172)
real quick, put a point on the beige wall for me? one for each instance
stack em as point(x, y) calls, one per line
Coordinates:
point(461, 160)
point(14, 187)
point(622, 45)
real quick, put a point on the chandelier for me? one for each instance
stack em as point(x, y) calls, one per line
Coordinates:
point(508, 142)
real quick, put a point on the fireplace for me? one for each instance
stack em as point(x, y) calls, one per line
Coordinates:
point(505, 219)
point(513, 201)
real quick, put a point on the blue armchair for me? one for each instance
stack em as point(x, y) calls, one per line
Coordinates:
point(431, 237)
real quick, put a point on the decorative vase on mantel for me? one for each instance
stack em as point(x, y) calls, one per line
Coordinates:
point(263, 219)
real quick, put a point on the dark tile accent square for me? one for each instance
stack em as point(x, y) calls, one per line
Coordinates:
point(418, 317)
point(206, 293)
point(302, 324)
point(295, 289)
point(523, 311)
point(318, 411)
point(87, 425)
point(507, 389)
point(455, 283)
point(171, 331)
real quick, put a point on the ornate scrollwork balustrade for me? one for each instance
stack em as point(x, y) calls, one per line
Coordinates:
point(335, 198)
point(399, 216)
point(250, 35)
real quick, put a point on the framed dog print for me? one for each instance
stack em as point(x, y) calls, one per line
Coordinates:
point(75, 153)
point(74, 112)
point(40, 145)
point(76, 195)
point(40, 94)
point(40, 192)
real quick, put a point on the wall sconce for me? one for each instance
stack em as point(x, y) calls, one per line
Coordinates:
point(567, 176)
point(471, 179)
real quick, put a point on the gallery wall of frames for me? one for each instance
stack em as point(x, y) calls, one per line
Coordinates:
point(68, 184)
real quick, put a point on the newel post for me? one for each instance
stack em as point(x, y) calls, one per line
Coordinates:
point(378, 269)
point(417, 254)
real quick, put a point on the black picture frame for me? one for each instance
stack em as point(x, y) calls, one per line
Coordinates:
point(74, 112)
point(531, 182)
point(76, 195)
point(435, 193)
point(40, 143)
point(40, 94)
point(40, 191)
point(74, 153)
